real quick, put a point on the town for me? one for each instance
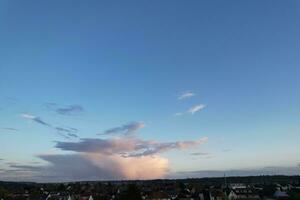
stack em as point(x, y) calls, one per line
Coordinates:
point(223, 188)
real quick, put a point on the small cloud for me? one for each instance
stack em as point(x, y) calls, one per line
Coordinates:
point(126, 129)
point(27, 116)
point(192, 110)
point(196, 108)
point(178, 114)
point(186, 95)
point(67, 132)
point(209, 157)
point(10, 129)
point(70, 110)
point(35, 119)
point(40, 121)
point(50, 105)
point(199, 154)
point(73, 135)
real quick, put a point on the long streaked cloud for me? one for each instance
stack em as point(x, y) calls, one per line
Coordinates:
point(273, 170)
point(10, 129)
point(186, 95)
point(74, 109)
point(127, 147)
point(64, 132)
point(35, 119)
point(24, 167)
point(126, 129)
point(82, 167)
point(200, 154)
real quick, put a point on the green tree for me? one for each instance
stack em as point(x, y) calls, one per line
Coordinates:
point(3, 193)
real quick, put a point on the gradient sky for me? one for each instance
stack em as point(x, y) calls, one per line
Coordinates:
point(196, 88)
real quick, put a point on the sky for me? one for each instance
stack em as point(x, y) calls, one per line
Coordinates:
point(115, 90)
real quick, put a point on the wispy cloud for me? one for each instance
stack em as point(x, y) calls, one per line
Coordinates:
point(126, 129)
point(192, 110)
point(67, 132)
point(178, 114)
point(199, 154)
point(70, 110)
point(27, 116)
point(40, 121)
point(25, 167)
point(35, 119)
point(186, 95)
point(10, 129)
point(196, 108)
point(64, 132)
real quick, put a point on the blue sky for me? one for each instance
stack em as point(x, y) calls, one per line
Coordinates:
point(125, 64)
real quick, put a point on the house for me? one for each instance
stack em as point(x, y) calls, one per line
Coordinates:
point(216, 194)
point(159, 195)
point(243, 194)
point(281, 195)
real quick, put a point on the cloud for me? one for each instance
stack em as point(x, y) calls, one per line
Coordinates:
point(40, 121)
point(275, 170)
point(70, 110)
point(153, 148)
point(196, 108)
point(35, 119)
point(127, 147)
point(10, 129)
point(67, 133)
point(126, 129)
point(25, 167)
point(186, 95)
point(199, 154)
point(114, 158)
point(50, 105)
point(27, 116)
point(178, 114)
point(96, 159)
point(79, 167)
point(192, 110)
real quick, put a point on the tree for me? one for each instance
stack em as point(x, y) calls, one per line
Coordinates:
point(3, 193)
point(132, 193)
